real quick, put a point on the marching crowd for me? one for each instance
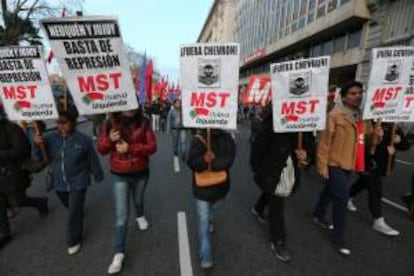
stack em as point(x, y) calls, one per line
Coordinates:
point(348, 145)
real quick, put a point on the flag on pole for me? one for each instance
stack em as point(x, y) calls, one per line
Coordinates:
point(148, 79)
point(142, 80)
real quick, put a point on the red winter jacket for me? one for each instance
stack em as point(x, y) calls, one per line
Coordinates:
point(141, 141)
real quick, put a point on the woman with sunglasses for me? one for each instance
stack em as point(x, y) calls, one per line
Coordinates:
point(72, 159)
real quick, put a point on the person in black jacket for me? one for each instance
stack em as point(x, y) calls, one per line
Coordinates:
point(272, 154)
point(14, 180)
point(219, 158)
point(375, 169)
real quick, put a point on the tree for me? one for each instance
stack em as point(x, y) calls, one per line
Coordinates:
point(20, 18)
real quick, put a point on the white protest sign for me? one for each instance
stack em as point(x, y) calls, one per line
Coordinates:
point(390, 94)
point(90, 53)
point(24, 84)
point(209, 85)
point(299, 94)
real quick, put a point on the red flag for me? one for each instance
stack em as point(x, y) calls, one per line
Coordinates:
point(259, 91)
point(50, 56)
point(148, 79)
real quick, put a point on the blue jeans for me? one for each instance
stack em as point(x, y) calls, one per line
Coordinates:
point(124, 187)
point(205, 216)
point(179, 140)
point(74, 201)
point(336, 191)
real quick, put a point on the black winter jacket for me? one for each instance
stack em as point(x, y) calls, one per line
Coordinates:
point(270, 151)
point(224, 148)
point(14, 149)
point(377, 163)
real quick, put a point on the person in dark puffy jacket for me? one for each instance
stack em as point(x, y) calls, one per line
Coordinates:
point(129, 139)
point(72, 160)
point(15, 148)
point(270, 154)
point(219, 158)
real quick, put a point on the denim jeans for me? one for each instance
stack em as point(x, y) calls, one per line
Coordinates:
point(205, 217)
point(336, 191)
point(74, 201)
point(179, 140)
point(125, 187)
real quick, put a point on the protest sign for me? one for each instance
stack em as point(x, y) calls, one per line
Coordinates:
point(209, 85)
point(299, 97)
point(90, 53)
point(390, 94)
point(24, 84)
point(259, 91)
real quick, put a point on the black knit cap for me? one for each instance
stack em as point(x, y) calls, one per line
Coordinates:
point(71, 115)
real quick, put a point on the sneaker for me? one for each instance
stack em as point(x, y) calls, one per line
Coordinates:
point(116, 265)
point(382, 227)
point(259, 216)
point(323, 223)
point(74, 249)
point(142, 223)
point(280, 252)
point(351, 206)
point(343, 250)
point(206, 264)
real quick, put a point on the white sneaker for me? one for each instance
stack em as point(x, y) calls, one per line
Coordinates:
point(380, 226)
point(116, 265)
point(74, 249)
point(142, 223)
point(351, 206)
point(176, 162)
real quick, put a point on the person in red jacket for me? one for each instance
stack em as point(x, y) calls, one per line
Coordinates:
point(128, 137)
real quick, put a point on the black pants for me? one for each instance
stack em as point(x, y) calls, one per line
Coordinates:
point(261, 204)
point(4, 221)
point(74, 201)
point(276, 205)
point(373, 183)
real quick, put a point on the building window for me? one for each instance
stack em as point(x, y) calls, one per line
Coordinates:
point(339, 44)
point(327, 48)
point(311, 17)
point(311, 4)
point(302, 22)
point(315, 51)
point(321, 11)
point(354, 39)
point(332, 5)
point(294, 26)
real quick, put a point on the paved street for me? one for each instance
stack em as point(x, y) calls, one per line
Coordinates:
point(241, 244)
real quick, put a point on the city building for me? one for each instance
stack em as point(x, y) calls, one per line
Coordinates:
point(220, 23)
point(272, 31)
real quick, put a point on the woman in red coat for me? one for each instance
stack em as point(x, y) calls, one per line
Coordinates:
point(128, 137)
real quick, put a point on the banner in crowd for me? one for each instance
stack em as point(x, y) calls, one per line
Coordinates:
point(390, 94)
point(259, 91)
point(24, 84)
point(90, 53)
point(209, 85)
point(301, 99)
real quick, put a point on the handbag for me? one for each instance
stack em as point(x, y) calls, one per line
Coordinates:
point(287, 179)
point(209, 178)
point(33, 166)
